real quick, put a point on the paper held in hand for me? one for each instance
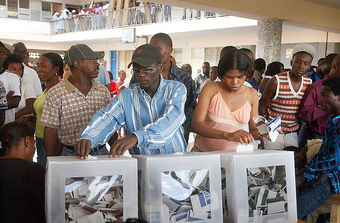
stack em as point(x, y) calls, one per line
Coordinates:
point(271, 128)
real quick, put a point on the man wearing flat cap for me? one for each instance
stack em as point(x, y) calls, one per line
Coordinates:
point(283, 95)
point(70, 104)
point(151, 111)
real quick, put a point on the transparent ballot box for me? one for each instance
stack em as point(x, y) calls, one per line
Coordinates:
point(97, 190)
point(258, 186)
point(182, 187)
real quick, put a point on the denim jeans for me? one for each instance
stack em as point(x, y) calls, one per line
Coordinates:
point(41, 154)
point(310, 200)
point(68, 152)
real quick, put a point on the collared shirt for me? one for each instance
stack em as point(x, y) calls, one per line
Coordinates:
point(311, 110)
point(200, 81)
point(177, 74)
point(69, 111)
point(157, 121)
point(328, 158)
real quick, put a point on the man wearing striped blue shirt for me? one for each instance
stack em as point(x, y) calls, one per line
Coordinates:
point(151, 111)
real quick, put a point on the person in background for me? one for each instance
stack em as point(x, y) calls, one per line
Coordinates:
point(225, 108)
point(283, 95)
point(113, 89)
point(151, 111)
point(22, 182)
point(250, 80)
point(70, 104)
point(226, 49)
point(13, 63)
point(187, 68)
point(67, 72)
point(163, 42)
point(3, 104)
point(11, 84)
point(202, 78)
point(320, 178)
point(260, 67)
point(50, 69)
point(122, 77)
point(213, 73)
point(273, 68)
point(30, 75)
point(103, 77)
point(320, 67)
point(312, 116)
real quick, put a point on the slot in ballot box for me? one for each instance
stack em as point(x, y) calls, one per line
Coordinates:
point(258, 186)
point(101, 189)
point(181, 187)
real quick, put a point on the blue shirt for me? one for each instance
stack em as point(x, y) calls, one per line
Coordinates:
point(312, 74)
point(157, 121)
point(328, 158)
point(177, 74)
point(103, 76)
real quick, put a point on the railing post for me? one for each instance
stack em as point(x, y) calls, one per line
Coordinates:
point(125, 12)
point(118, 13)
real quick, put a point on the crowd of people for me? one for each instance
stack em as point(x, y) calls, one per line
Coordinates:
point(76, 115)
point(99, 16)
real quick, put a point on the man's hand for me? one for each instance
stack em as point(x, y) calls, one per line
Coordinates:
point(83, 148)
point(121, 145)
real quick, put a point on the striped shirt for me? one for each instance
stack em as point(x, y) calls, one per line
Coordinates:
point(287, 102)
point(157, 121)
point(69, 111)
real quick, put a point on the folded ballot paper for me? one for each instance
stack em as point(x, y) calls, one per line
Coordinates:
point(271, 128)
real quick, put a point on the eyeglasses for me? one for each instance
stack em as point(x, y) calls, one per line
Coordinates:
point(147, 70)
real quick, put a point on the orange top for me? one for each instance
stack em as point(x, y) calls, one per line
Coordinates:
point(220, 117)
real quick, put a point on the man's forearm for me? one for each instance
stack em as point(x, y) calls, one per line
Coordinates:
point(50, 141)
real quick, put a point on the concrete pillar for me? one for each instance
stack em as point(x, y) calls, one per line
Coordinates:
point(268, 43)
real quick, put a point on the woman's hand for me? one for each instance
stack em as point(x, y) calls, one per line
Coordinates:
point(240, 136)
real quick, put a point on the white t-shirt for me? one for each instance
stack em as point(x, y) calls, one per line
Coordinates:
point(27, 91)
point(11, 82)
point(31, 76)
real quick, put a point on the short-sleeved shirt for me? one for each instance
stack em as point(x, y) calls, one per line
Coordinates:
point(3, 100)
point(69, 111)
point(27, 91)
point(11, 82)
point(31, 76)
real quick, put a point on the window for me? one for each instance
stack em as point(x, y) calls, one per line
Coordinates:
point(3, 2)
point(24, 4)
point(46, 6)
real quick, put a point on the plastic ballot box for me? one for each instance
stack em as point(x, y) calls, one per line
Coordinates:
point(100, 189)
point(258, 186)
point(181, 187)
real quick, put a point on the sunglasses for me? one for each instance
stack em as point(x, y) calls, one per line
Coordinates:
point(147, 70)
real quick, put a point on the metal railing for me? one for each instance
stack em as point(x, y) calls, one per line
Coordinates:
point(128, 17)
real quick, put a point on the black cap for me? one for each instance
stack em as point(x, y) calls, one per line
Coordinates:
point(146, 55)
point(80, 52)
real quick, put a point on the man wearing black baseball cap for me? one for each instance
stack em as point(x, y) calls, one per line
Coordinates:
point(151, 111)
point(70, 104)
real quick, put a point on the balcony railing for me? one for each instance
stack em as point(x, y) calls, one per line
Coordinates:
point(127, 17)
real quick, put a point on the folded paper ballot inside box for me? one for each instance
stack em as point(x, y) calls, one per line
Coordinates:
point(96, 190)
point(268, 128)
point(258, 186)
point(181, 187)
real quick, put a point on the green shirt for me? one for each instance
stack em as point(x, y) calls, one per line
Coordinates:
point(38, 108)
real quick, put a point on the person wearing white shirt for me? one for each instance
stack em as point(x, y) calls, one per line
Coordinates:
point(30, 75)
point(14, 64)
point(11, 83)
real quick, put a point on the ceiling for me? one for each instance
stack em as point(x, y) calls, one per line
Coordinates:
point(331, 3)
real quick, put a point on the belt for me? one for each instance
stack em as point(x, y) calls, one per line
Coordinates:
point(93, 150)
point(290, 132)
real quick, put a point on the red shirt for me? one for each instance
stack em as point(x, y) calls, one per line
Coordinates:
point(311, 110)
